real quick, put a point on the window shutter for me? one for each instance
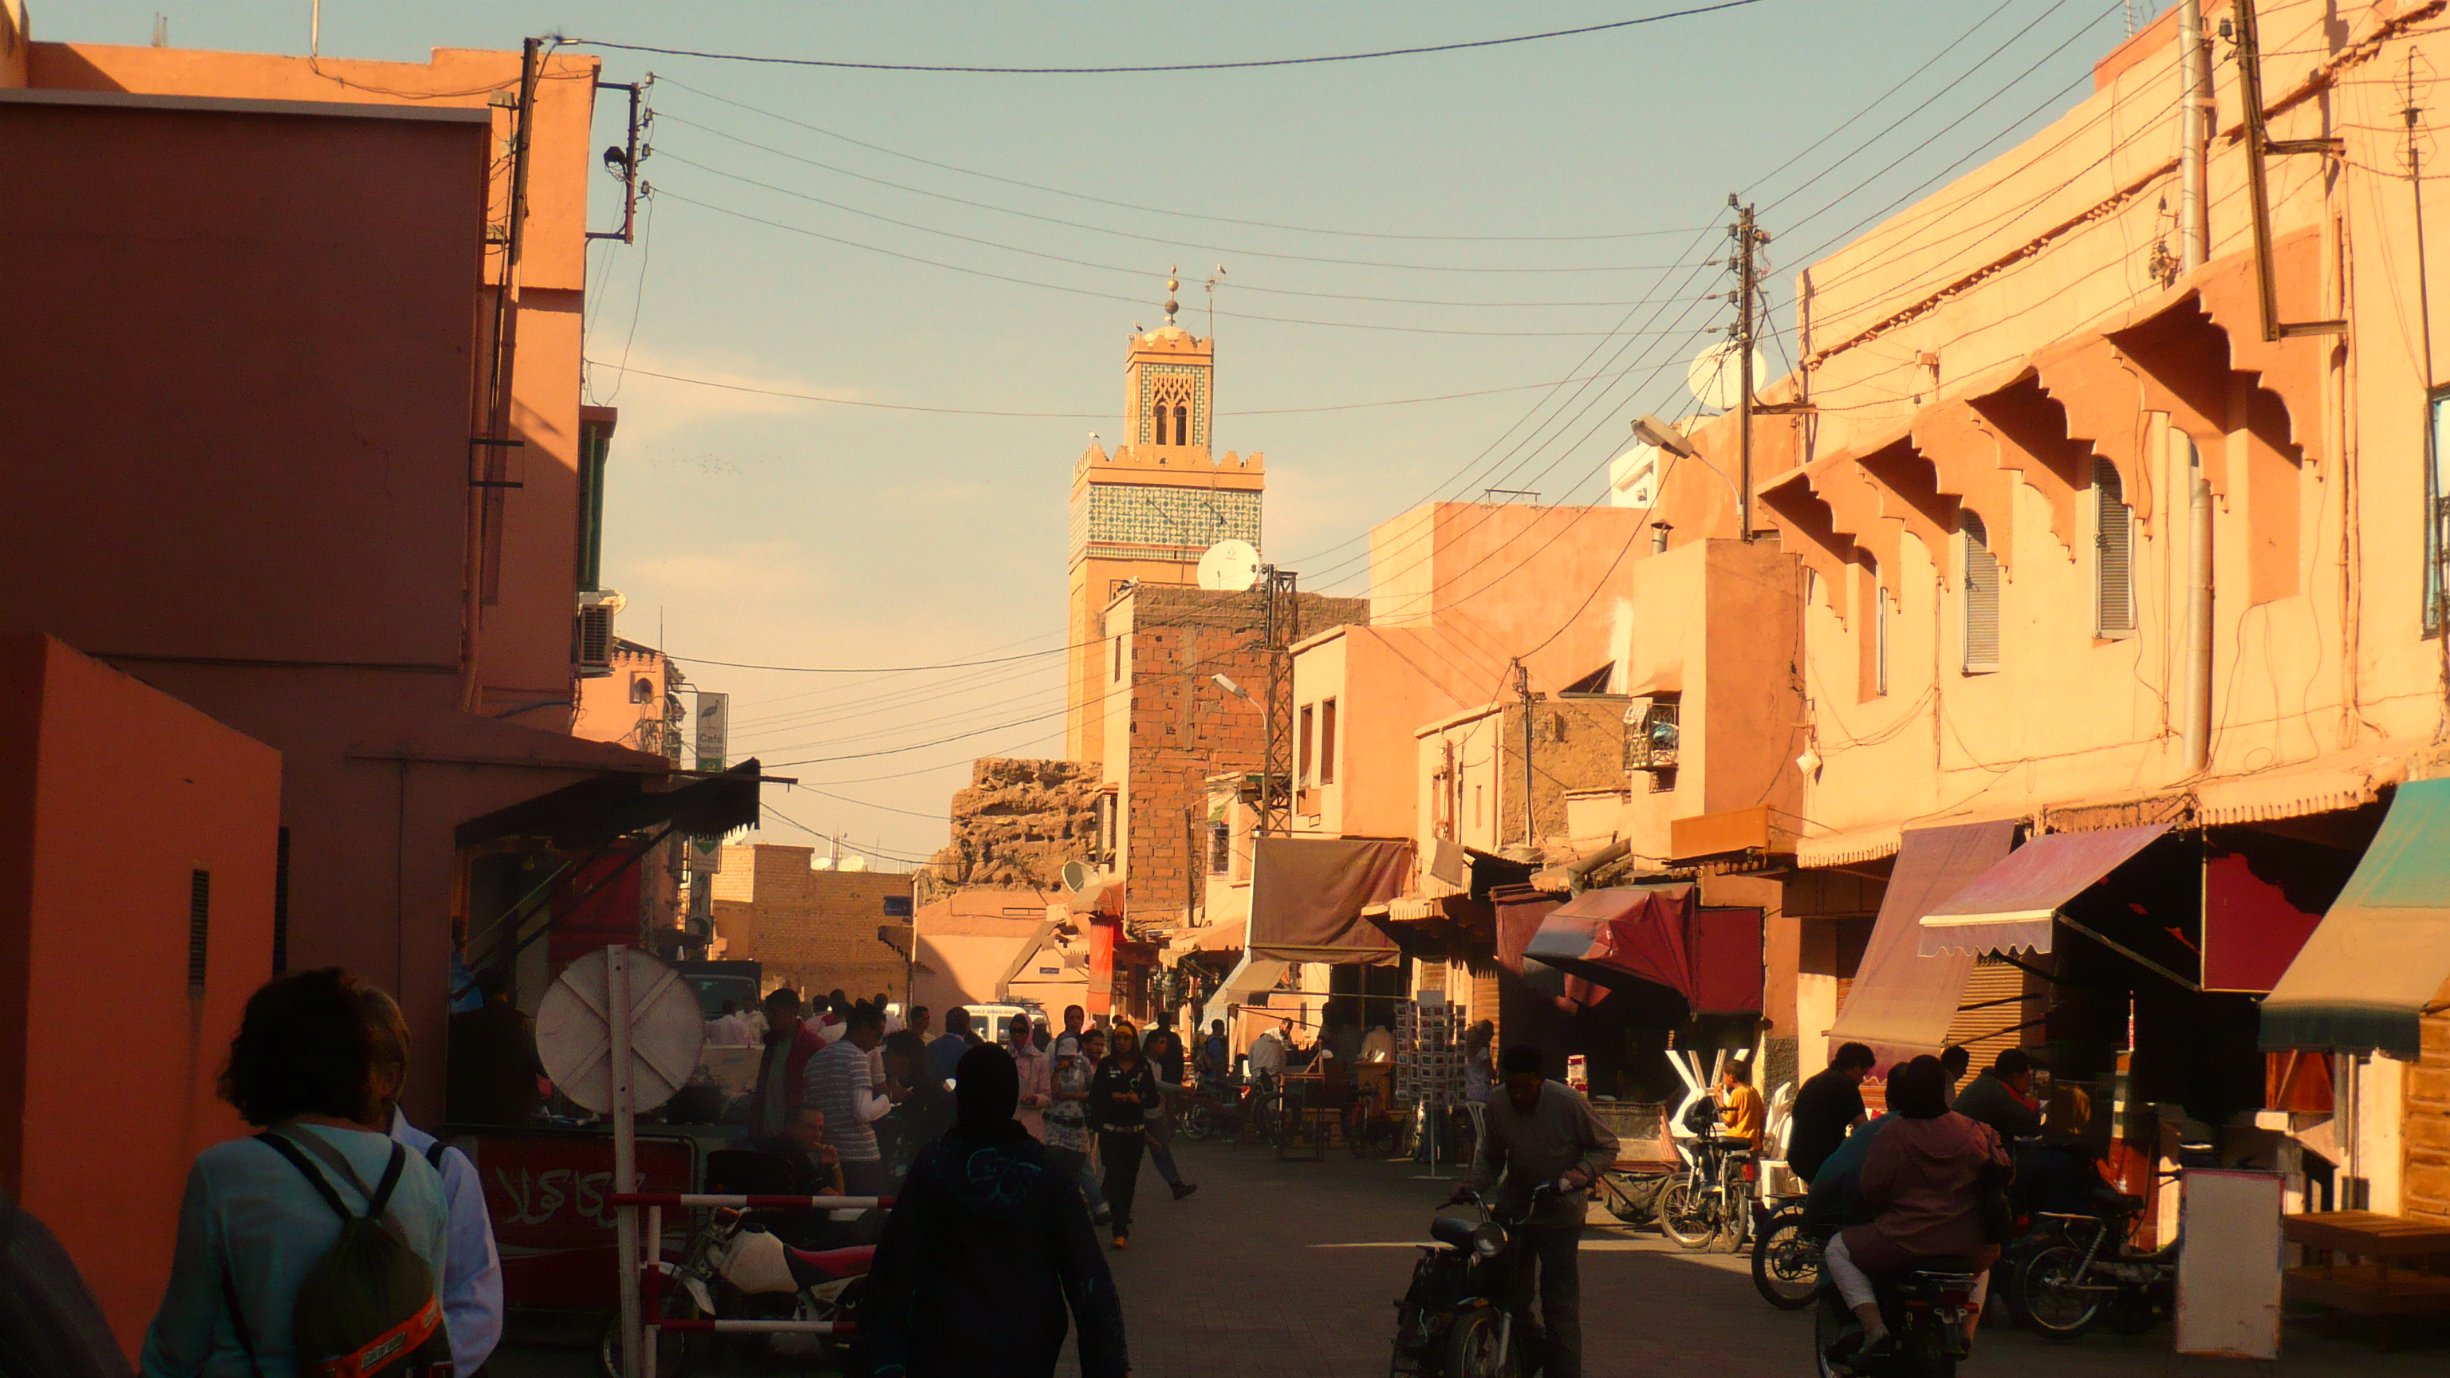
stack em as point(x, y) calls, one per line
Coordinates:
point(1981, 597)
point(2114, 553)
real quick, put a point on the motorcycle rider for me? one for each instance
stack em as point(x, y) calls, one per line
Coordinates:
point(1925, 1178)
point(1541, 1133)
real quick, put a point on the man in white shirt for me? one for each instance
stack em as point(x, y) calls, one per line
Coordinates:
point(1267, 1056)
point(842, 1082)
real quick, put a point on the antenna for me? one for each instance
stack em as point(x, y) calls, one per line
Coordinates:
point(1229, 566)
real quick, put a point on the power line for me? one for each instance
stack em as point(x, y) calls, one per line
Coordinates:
point(764, 59)
point(874, 670)
point(1231, 250)
point(879, 853)
point(1093, 199)
point(1116, 296)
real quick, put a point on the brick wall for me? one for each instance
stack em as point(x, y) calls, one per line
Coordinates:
point(2425, 1185)
point(813, 930)
point(1185, 728)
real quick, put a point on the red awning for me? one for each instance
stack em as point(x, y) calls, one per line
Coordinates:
point(1307, 894)
point(2015, 903)
point(1902, 1001)
point(2263, 896)
point(1659, 934)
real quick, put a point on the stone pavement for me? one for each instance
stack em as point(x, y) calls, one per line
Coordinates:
point(1291, 1269)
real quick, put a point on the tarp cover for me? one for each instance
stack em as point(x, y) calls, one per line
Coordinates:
point(1249, 978)
point(1655, 933)
point(1307, 894)
point(2363, 982)
point(1902, 1001)
point(2014, 904)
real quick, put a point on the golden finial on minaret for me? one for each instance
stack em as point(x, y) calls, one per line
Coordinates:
point(1173, 284)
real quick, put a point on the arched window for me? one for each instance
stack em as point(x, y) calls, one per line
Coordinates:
point(1182, 424)
point(1981, 591)
point(2113, 553)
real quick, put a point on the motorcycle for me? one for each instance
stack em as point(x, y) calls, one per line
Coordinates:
point(1453, 1322)
point(1216, 1110)
point(1926, 1307)
point(735, 1269)
point(1786, 1250)
point(2081, 1271)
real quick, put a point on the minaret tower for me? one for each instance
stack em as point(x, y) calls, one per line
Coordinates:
point(1148, 510)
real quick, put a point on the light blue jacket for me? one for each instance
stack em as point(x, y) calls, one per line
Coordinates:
point(472, 1284)
point(251, 1216)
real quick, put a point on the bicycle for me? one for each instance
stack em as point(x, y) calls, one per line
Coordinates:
point(1711, 1202)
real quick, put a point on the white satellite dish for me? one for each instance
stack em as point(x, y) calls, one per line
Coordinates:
point(1076, 876)
point(1229, 566)
point(1633, 477)
point(1716, 376)
point(574, 1031)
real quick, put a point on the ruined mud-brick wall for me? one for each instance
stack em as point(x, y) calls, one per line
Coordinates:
point(1017, 824)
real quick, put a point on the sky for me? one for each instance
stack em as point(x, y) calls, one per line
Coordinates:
point(1392, 233)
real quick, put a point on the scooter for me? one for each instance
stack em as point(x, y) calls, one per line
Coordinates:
point(736, 1269)
point(1927, 1307)
point(1453, 1322)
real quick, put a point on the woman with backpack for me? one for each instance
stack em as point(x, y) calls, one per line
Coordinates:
point(319, 1240)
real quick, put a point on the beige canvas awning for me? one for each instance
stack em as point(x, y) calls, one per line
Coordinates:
point(1307, 894)
point(1902, 1001)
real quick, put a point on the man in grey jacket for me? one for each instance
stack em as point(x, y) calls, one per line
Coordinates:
point(1542, 1133)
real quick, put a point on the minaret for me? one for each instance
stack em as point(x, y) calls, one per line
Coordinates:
point(1148, 511)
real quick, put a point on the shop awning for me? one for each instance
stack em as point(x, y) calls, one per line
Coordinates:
point(2366, 978)
point(594, 811)
point(1902, 1001)
point(1219, 937)
point(1249, 979)
point(1660, 934)
point(1307, 894)
point(2014, 903)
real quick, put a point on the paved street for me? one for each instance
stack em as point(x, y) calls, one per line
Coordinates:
point(1290, 1269)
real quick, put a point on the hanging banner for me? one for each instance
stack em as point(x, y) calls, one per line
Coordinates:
point(714, 729)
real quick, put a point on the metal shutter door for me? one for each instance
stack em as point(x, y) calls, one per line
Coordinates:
point(1990, 1012)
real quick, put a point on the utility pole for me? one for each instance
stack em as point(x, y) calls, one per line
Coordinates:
point(1748, 239)
point(1280, 627)
point(2259, 144)
point(1522, 689)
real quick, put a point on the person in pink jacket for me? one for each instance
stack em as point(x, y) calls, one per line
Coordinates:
point(1036, 1090)
point(1925, 1177)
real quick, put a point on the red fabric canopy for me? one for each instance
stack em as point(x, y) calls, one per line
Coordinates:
point(1659, 934)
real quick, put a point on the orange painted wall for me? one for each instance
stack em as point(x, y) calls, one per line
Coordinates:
point(114, 794)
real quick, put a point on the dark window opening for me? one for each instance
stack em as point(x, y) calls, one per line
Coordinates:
point(199, 927)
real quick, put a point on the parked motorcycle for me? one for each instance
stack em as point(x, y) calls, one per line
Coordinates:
point(2079, 1271)
point(735, 1269)
point(1926, 1307)
point(1216, 1110)
point(1452, 1322)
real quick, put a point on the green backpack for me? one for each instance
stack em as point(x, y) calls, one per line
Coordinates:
point(369, 1308)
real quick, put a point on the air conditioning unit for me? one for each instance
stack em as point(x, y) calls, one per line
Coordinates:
point(594, 648)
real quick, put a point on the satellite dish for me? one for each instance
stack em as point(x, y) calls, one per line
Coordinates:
point(1716, 375)
point(1633, 477)
point(1076, 874)
point(1229, 566)
point(574, 1031)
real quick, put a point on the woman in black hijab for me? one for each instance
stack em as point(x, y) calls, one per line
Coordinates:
point(986, 1249)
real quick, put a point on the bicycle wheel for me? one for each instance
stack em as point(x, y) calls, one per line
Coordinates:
point(1786, 1261)
point(2051, 1296)
point(676, 1352)
point(1685, 1215)
point(1734, 1222)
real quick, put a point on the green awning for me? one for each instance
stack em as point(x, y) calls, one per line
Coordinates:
point(2377, 962)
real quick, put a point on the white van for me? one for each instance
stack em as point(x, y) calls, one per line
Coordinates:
point(994, 1022)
